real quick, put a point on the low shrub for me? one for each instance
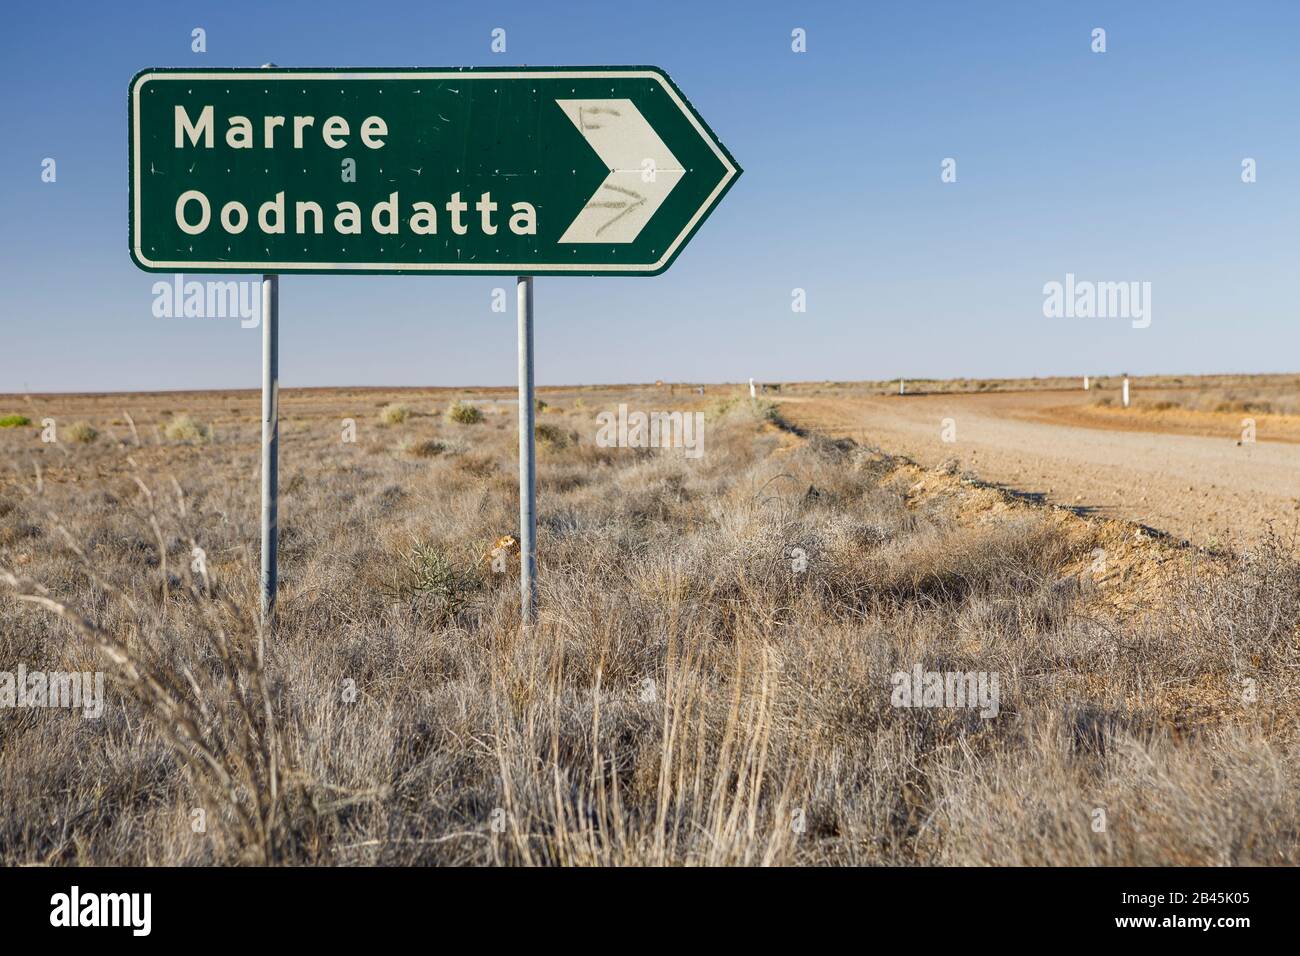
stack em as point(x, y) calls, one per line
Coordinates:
point(421, 448)
point(463, 413)
point(185, 428)
point(82, 432)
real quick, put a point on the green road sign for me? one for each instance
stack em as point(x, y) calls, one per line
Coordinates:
point(533, 171)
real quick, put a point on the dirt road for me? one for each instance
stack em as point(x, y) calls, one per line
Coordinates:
point(1209, 490)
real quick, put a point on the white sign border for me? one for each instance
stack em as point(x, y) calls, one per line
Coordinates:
point(462, 267)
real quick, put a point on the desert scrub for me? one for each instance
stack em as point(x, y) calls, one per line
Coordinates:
point(421, 447)
point(463, 413)
point(14, 421)
point(1248, 407)
point(757, 409)
point(426, 576)
point(721, 408)
point(394, 414)
point(82, 432)
point(552, 436)
point(184, 428)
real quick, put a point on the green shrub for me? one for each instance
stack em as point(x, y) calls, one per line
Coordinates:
point(463, 413)
point(429, 578)
point(14, 421)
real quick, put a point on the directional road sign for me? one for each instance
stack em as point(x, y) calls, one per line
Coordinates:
point(530, 171)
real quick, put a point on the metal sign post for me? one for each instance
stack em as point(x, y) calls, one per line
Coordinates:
point(270, 442)
point(527, 456)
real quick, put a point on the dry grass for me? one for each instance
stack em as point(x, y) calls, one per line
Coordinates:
point(553, 437)
point(1270, 403)
point(1231, 401)
point(421, 447)
point(83, 433)
point(1201, 392)
point(394, 414)
point(690, 695)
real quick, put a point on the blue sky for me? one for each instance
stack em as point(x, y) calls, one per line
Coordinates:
point(1115, 167)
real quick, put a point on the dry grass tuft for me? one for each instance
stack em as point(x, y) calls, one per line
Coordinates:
point(83, 433)
point(394, 414)
point(184, 428)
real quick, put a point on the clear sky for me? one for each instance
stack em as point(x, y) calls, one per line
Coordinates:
point(1116, 166)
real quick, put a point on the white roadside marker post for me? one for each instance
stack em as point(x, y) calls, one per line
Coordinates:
point(1085, 383)
point(1126, 391)
point(902, 389)
point(527, 456)
point(270, 442)
point(752, 393)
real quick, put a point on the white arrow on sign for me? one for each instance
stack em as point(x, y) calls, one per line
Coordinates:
point(642, 170)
